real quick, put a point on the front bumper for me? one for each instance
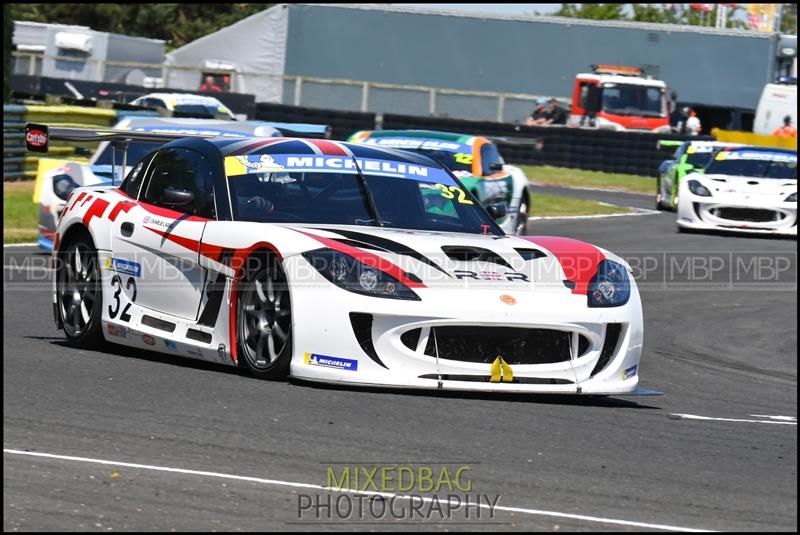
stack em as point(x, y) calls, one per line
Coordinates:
point(696, 212)
point(341, 337)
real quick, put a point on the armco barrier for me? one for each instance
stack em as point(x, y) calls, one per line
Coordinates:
point(18, 164)
point(343, 123)
point(595, 150)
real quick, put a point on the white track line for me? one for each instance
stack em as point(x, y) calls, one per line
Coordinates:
point(32, 244)
point(635, 212)
point(278, 482)
point(775, 420)
point(606, 190)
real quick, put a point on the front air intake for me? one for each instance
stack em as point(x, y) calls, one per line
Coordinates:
point(609, 347)
point(362, 329)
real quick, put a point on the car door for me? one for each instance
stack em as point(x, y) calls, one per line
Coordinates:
point(157, 242)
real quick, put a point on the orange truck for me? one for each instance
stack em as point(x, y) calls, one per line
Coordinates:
point(619, 98)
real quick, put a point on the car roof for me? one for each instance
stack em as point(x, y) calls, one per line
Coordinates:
point(430, 134)
point(184, 98)
point(759, 148)
point(259, 128)
point(316, 147)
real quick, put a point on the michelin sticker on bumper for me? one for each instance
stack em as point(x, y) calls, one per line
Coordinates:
point(314, 359)
point(630, 372)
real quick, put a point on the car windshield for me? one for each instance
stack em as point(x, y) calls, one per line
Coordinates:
point(631, 99)
point(405, 196)
point(202, 109)
point(698, 159)
point(754, 164)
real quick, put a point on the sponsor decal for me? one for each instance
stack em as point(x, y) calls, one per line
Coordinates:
point(630, 372)
point(156, 221)
point(222, 353)
point(148, 339)
point(417, 143)
point(36, 138)
point(190, 131)
point(501, 371)
point(121, 265)
point(510, 276)
point(171, 345)
point(117, 330)
point(757, 155)
point(265, 161)
point(507, 299)
point(342, 164)
point(315, 359)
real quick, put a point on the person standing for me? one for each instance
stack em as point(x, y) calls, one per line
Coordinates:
point(556, 114)
point(787, 130)
point(693, 125)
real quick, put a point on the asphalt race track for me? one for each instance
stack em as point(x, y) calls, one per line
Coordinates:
point(720, 342)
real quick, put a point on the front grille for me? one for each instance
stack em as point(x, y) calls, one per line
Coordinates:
point(752, 215)
point(477, 344)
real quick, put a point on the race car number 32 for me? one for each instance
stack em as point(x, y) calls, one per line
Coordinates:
point(449, 192)
point(130, 285)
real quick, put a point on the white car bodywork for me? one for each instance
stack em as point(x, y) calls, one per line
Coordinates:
point(170, 281)
point(741, 204)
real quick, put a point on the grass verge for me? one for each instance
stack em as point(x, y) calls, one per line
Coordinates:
point(581, 178)
point(544, 204)
point(19, 213)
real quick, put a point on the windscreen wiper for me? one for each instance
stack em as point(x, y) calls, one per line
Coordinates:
point(367, 193)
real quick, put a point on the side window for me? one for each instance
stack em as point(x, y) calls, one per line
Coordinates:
point(181, 170)
point(489, 156)
point(133, 182)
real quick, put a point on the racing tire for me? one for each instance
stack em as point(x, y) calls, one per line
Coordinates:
point(659, 201)
point(264, 322)
point(522, 216)
point(79, 296)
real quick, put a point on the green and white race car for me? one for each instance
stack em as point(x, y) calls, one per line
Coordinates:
point(477, 163)
point(690, 157)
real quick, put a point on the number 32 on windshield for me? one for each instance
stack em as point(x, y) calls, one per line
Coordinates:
point(450, 192)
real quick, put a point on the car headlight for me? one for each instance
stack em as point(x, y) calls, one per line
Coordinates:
point(791, 198)
point(698, 189)
point(63, 186)
point(349, 274)
point(611, 285)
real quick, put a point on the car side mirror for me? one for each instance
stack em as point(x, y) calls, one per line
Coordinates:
point(497, 210)
point(663, 167)
point(177, 197)
point(496, 166)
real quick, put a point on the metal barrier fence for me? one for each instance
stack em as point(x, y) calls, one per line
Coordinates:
point(18, 164)
point(330, 93)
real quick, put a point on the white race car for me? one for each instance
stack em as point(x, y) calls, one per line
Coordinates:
point(743, 189)
point(338, 263)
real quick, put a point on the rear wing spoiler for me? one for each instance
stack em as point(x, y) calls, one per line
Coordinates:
point(321, 131)
point(38, 136)
point(533, 143)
